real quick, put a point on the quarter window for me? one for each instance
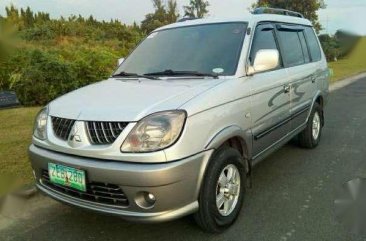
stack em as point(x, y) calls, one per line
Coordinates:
point(304, 47)
point(313, 44)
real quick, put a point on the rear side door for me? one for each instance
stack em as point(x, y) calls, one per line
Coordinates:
point(319, 66)
point(301, 71)
point(270, 97)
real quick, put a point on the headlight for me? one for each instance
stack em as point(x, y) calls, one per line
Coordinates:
point(155, 132)
point(40, 125)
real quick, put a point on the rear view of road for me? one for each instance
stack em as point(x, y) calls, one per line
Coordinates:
point(291, 199)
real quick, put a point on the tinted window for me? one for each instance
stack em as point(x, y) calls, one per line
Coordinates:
point(313, 43)
point(263, 39)
point(291, 48)
point(202, 48)
point(304, 47)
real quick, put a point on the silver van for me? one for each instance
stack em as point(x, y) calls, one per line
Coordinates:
point(178, 127)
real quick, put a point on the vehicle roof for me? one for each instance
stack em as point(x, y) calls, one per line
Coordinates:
point(244, 18)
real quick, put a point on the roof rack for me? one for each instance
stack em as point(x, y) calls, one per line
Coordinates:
point(279, 11)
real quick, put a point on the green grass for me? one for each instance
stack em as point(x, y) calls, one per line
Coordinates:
point(15, 136)
point(354, 64)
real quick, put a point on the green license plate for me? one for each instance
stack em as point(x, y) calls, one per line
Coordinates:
point(67, 176)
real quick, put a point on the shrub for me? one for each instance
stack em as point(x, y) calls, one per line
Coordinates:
point(55, 56)
point(42, 32)
point(338, 46)
point(42, 77)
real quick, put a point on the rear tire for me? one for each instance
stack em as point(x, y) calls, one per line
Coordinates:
point(222, 192)
point(310, 137)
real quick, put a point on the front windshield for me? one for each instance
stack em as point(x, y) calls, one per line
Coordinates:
point(210, 49)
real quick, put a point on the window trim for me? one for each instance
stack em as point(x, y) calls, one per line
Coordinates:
point(282, 24)
point(290, 27)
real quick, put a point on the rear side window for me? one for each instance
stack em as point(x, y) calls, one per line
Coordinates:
point(292, 50)
point(313, 43)
point(304, 47)
point(263, 39)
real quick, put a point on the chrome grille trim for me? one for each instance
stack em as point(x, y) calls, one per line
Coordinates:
point(102, 132)
point(111, 128)
point(62, 127)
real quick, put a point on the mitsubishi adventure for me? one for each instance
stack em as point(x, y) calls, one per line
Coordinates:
point(178, 126)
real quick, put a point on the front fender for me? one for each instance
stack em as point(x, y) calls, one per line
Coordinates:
point(230, 132)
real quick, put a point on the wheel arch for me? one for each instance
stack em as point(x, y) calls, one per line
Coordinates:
point(319, 99)
point(234, 137)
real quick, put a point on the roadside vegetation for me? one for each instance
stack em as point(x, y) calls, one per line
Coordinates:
point(340, 45)
point(55, 56)
point(352, 64)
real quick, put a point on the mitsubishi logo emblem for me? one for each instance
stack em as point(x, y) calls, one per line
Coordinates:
point(74, 134)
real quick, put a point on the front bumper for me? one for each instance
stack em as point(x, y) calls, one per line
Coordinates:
point(175, 185)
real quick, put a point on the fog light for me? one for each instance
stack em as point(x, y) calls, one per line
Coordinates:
point(150, 198)
point(145, 200)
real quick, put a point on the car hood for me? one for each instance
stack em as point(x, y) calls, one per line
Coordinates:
point(127, 100)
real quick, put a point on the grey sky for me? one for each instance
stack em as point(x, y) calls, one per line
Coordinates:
point(339, 14)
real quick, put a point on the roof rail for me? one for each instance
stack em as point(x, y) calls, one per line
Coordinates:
point(186, 19)
point(279, 11)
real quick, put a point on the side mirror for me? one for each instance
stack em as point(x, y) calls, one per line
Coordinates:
point(265, 59)
point(120, 61)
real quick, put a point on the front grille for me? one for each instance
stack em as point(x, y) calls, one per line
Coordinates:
point(104, 132)
point(95, 192)
point(62, 127)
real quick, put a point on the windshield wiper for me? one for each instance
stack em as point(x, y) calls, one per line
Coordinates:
point(125, 74)
point(170, 72)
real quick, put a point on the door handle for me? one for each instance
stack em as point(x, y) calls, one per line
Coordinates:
point(287, 88)
point(313, 78)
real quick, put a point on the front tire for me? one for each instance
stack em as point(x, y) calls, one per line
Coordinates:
point(222, 192)
point(310, 137)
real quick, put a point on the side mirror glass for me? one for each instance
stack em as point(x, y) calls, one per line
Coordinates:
point(265, 59)
point(120, 61)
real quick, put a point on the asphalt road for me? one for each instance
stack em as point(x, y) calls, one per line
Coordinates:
point(291, 199)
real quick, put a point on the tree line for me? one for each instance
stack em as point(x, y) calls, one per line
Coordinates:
point(42, 58)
